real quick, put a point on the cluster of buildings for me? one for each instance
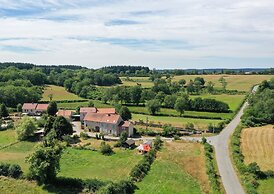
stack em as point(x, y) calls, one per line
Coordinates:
point(102, 120)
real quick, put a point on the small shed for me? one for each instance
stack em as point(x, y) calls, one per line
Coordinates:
point(130, 143)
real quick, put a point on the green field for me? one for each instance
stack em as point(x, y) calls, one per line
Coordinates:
point(7, 137)
point(74, 105)
point(91, 164)
point(59, 93)
point(266, 186)
point(235, 82)
point(179, 168)
point(199, 124)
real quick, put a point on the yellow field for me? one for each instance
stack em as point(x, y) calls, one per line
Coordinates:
point(59, 93)
point(235, 82)
point(257, 146)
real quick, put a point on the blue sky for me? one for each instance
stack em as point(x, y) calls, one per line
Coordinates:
point(154, 33)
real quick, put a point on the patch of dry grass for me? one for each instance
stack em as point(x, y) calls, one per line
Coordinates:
point(59, 93)
point(190, 157)
point(257, 146)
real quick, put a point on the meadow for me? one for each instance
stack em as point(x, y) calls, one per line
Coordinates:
point(235, 82)
point(257, 146)
point(92, 164)
point(199, 124)
point(58, 93)
point(178, 168)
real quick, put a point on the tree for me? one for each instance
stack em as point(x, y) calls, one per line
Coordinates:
point(210, 87)
point(49, 124)
point(50, 97)
point(190, 87)
point(19, 107)
point(123, 138)
point(180, 105)
point(3, 111)
point(182, 82)
point(153, 106)
point(90, 103)
point(62, 127)
point(125, 113)
point(45, 162)
point(169, 101)
point(26, 128)
point(160, 96)
point(223, 82)
point(52, 108)
point(136, 94)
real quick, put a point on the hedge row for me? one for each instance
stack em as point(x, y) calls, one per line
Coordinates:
point(210, 167)
point(10, 170)
point(142, 168)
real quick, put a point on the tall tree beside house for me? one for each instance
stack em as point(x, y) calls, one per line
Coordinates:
point(49, 124)
point(26, 128)
point(153, 106)
point(3, 111)
point(62, 127)
point(125, 113)
point(52, 108)
point(19, 107)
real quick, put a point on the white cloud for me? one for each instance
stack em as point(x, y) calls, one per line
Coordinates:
point(194, 33)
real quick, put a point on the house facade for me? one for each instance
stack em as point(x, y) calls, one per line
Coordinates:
point(34, 109)
point(106, 121)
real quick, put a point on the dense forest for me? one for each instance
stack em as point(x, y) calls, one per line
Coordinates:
point(261, 109)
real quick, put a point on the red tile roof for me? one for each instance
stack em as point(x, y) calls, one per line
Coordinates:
point(64, 113)
point(106, 110)
point(42, 107)
point(126, 124)
point(88, 109)
point(104, 118)
point(29, 106)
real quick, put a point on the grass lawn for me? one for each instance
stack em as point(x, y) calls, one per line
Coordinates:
point(7, 137)
point(59, 93)
point(16, 154)
point(175, 121)
point(179, 168)
point(74, 105)
point(257, 146)
point(233, 101)
point(92, 164)
point(266, 186)
point(13, 186)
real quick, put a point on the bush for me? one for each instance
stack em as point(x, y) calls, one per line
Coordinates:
point(84, 135)
point(106, 149)
point(10, 170)
point(26, 128)
point(122, 187)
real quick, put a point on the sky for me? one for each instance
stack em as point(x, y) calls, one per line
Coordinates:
point(161, 34)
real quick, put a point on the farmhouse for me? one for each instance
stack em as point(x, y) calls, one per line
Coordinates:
point(34, 108)
point(106, 121)
point(65, 113)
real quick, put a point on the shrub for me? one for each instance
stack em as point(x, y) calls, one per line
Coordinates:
point(26, 128)
point(10, 170)
point(106, 149)
point(84, 135)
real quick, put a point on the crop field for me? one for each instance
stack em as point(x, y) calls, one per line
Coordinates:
point(257, 146)
point(199, 124)
point(235, 82)
point(92, 164)
point(58, 93)
point(179, 168)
